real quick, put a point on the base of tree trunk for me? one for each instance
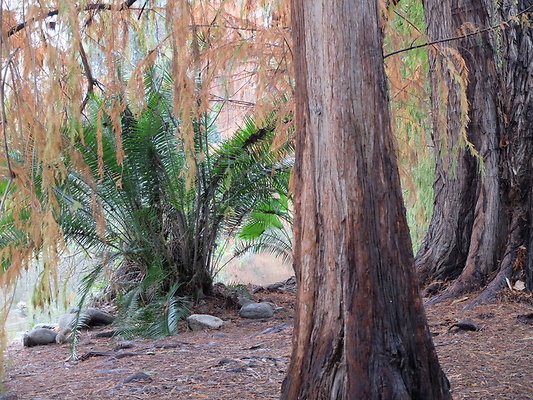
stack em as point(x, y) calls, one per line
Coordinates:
point(481, 233)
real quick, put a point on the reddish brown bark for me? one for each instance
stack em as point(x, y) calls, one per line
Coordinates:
point(482, 216)
point(360, 330)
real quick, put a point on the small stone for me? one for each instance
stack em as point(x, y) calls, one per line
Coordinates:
point(125, 344)
point(201, 322)
point(39, 336)
point(273, 329)
point(257, 289)
point(68, 321)
point(97, 317)
point(138, 377)
point(274, 287)
point(63, 336)
point(88, 318)
point(256, 311)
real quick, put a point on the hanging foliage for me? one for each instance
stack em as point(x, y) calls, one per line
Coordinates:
point(227, 59)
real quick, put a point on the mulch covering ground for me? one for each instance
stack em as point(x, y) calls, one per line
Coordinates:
point(247, 360)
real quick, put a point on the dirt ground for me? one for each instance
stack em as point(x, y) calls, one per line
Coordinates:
point(247, 360)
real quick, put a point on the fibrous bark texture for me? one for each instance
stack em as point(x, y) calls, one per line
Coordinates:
point(480, 232)
point(360, 330)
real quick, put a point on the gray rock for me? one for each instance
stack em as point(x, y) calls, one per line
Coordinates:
point(273, 329)
point(288, 284)
point(8, 396)
point(38, 337)
point(256, 311)
point(63, 336)
point(201, 322)
point(274, 287)
point(68, 321)
point(97, 317)
point(124, 344)
point(244, 300)
point(257, 289)
point(138, 377)
point(88, 318)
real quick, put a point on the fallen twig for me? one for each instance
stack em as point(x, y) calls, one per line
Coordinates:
point(113, 354)
point(446, 343)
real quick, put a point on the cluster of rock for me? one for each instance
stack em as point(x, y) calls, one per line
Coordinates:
point(247, 309)
point(43, 334)
point(288, 285)
point(46, 334)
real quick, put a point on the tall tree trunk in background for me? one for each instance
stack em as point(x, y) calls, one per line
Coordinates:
point(360, 330)
point(481, 225)
point(445, 247)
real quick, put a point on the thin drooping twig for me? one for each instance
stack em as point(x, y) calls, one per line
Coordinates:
point(502, 25)
point(142, 10)
point(3, 111)
point(88, 74)
point(51, 13)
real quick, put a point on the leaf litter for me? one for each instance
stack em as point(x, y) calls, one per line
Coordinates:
point(495, 362)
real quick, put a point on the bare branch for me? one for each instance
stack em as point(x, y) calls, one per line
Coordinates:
point(88, 74)
point(127, 4)
point(3, 113)
point(502, 25)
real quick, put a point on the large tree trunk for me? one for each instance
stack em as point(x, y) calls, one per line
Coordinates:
point(360, 330)
point(482, 213)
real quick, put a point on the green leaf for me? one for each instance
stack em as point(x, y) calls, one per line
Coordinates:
point(252, 231)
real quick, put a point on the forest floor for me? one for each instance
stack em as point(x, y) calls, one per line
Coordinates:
point(246, 360)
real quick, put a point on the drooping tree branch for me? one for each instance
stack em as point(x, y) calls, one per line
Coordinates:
point(501, 25)
point(3, 113)
point(127, 4)
point(88, 74)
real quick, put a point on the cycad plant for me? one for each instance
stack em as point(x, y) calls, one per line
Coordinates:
point(267, 229)
point(161, 230)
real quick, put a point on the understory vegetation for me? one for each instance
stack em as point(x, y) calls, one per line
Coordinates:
point(160, 227)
